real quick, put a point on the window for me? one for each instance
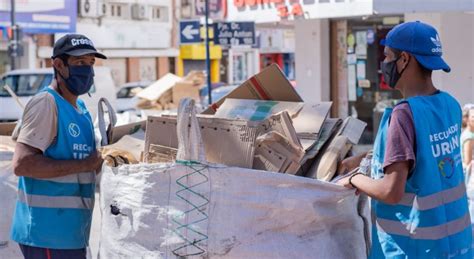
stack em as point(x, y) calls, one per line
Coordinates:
point(25, 85)
point(159, 13)
point(117, 10)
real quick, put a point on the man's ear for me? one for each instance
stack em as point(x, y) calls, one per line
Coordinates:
point(405, 57)
point(58, 64)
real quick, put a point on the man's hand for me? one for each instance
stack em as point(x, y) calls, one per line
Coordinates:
point(345, 182)
point(349, 164)
point(93, 162)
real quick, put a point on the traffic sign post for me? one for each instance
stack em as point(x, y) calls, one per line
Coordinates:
point(208, 55)
point(234, 33)
point(189, 32)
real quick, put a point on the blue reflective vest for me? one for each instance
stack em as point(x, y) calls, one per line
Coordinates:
point(57, 212)
point(432, 219)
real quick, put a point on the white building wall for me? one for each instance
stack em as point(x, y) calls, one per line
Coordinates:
point(457, 36)
point(312, 59)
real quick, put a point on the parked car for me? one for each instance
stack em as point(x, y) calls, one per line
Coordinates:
point(27, 82)
point(126, 95)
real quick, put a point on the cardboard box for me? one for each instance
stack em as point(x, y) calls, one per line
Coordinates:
point(255, 110)
point(158, 88)
point(125, 151)
point(269, 84)
point(186, 89)
point(7, 128)
point(229, 142)
point(161, 154)
point(128, 129)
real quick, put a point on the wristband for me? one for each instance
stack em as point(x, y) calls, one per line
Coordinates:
point(350, 180)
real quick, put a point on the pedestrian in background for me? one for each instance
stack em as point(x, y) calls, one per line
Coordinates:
point(467, 137)
point(417, 183)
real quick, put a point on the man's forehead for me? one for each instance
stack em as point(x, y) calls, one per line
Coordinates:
point(87, 56)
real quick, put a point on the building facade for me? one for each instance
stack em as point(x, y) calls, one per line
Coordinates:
point(338, 51)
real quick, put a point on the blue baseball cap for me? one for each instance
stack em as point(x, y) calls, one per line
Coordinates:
point(421, 40)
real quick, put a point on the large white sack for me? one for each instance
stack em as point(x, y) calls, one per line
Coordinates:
point(8, 193)
point(202, 210)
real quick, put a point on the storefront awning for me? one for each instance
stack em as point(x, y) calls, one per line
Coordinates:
point(269, 11)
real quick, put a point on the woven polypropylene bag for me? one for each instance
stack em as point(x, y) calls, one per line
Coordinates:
point(195, 209)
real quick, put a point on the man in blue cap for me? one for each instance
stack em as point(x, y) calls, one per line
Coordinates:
point(56, 159)
point(417, 184)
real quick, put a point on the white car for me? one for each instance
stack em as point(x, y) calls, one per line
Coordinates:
point(126, 95)
point(27, 82)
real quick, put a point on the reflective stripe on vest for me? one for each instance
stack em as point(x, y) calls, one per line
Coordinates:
point(66, 202)
point(434, 200)
point(428, 233)
point(81, 178)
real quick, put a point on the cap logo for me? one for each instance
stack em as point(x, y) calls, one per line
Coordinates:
point(437, 42)
point(75, 42)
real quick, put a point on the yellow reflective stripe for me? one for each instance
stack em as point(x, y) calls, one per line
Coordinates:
point(434, 200)
point(427, 233)
point(60, 202)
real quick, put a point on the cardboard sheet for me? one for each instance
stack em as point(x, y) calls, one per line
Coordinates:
point(351, 131)
point(229, 142)
point(269, 84)
point(128, 129)
point(282, 124)
point(160, 87)
point(161, 154)
point(309, 122)
point(277, 153)
point(128, 150)
point(255, 110)
point(328, 130)
point(185, 89)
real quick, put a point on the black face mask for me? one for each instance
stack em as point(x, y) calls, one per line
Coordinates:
point(80, 80)
point(390, 73)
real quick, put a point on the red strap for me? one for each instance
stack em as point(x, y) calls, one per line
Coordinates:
point(214, 106)
point(48, 253)
point(259, 88)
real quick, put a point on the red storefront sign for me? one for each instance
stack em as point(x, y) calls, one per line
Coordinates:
point(285, 10)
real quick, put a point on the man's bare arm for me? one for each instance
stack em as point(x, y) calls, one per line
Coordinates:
point(29, 161)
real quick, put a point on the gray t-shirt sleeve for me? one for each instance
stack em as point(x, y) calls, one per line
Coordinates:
point(400, 143)
point(39, 122)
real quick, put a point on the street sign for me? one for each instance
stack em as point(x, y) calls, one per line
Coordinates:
point(234, 33)
point(189, 31)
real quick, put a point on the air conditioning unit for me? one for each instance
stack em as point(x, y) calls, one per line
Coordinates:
point(90, 8)
point(139, 12)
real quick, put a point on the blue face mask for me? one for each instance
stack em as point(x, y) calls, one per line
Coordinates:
point(80, 80)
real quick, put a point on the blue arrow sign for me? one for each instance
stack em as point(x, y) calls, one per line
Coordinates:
point(189, 31)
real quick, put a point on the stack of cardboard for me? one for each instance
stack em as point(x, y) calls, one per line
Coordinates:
point(165, 93)
point(189, 87)
point(262, 124)
point(159, 94)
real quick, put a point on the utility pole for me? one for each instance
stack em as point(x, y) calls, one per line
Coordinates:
point(13, 40)
point(208, 54)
